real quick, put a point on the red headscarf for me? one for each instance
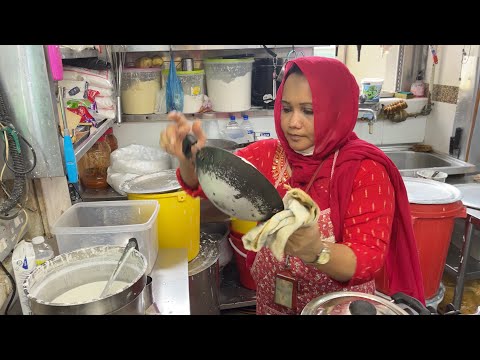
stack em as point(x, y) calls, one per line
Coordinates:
point(335, 95)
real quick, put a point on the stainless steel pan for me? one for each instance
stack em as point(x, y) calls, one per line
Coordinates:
point(233, 184)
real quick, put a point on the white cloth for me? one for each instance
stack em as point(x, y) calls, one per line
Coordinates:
point(299, 210)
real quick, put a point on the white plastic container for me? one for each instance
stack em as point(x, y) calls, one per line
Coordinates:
point(43, 251)
point(229, 83)
point(428, 174)
point(89, 224)
point(140, 89)
point(193, 89)
point(371, 88)
point(23, 262)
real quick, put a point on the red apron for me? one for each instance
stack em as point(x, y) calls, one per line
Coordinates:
point(311, 281)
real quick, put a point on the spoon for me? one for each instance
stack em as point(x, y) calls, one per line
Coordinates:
point(132, 245)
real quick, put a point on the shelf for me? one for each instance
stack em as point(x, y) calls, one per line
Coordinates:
point(107, 194)
point(453, 260)
point(72, 54)
point(137, 48)
point(82, 147)
point(254, 112)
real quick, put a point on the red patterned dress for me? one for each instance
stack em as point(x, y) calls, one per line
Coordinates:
point(367, 228)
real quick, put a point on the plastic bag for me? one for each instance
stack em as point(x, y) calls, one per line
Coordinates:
point(174, 89)
point(98, 78)
point(134, 160)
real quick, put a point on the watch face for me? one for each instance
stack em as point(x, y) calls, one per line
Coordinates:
point(324, 257)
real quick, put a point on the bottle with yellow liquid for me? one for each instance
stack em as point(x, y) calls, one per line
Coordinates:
point(43, 251)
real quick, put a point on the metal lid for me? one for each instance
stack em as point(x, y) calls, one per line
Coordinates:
point(157, 183)
point(351, 303)
point(425, 191)
point(207, 256)
point(471, 195)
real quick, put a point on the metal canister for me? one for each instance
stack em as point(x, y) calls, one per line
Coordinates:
point(84, 266)
point(187, 64)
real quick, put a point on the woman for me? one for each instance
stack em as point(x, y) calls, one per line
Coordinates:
point(365, 220)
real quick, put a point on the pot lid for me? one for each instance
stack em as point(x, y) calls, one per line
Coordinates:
point(207, 256)
point(351, 303)
point(425, 191)
point(471, 195)
point(156, 183)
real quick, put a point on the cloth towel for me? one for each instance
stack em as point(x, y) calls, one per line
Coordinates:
point(299, 210)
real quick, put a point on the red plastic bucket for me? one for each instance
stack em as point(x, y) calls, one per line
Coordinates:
point(433, 227)
point(240, 256)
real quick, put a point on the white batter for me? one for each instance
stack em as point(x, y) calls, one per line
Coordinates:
point(86, 292)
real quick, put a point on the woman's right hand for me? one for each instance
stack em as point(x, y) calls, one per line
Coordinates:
point(171, 138)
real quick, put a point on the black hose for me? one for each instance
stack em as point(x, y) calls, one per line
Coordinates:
point(13, 287)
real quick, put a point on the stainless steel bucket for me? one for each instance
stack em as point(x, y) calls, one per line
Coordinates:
point(71, 270)
point(204, 281)
point(140, 304)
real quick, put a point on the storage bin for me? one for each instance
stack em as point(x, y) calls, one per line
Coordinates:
point(89, 224)
point(193, 89)
point(140, 88)
point(434, 206)
point(229, 83)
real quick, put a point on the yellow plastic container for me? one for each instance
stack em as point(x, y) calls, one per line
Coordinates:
point(178, 220)
point(242, 226)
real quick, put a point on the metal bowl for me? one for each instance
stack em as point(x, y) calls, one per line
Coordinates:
point(71, 270)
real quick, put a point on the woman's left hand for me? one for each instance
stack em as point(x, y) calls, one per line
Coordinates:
point(305, 243)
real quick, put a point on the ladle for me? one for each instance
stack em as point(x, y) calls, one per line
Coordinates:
point(132, 244)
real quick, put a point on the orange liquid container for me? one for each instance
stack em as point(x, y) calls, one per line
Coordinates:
point(111, 140)
point(94, 164)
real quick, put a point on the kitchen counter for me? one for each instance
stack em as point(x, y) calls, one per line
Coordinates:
point(461, 179)
point(170, 282)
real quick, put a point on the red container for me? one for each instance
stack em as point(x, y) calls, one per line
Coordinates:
point(433, 227)
point(240, 256)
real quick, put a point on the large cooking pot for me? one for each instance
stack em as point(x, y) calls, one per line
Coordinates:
point(83, 267)
point(204, 280)
point(357, 303)
point(217, 232)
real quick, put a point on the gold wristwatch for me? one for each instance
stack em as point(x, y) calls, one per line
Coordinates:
point(323, 257)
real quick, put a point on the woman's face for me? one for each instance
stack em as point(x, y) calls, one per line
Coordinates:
point(297, 113)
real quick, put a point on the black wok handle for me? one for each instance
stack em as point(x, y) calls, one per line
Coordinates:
point(187, 144)
point(401, 298)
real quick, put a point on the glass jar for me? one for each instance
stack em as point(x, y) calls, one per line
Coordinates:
point(94, 164)
point(111, 140)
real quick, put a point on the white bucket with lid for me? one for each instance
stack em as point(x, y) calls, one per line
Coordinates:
point(371, 88)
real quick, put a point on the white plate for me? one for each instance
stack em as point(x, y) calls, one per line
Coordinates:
point(157, 183)
point(424, 191)
point(471, 195)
